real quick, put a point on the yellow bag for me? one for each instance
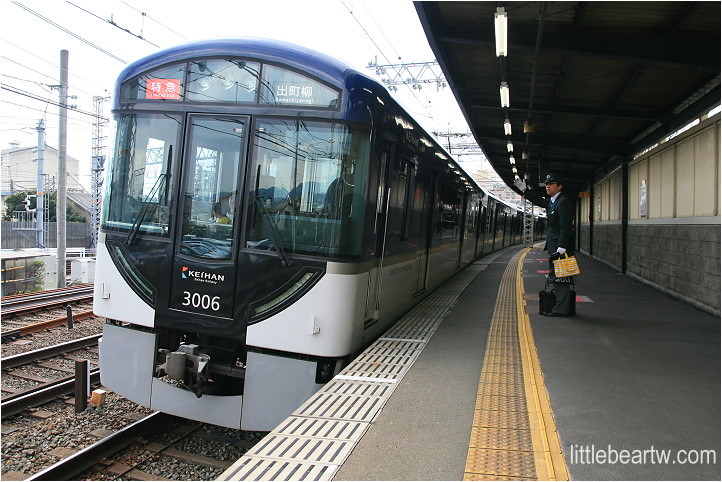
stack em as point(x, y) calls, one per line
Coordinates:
point(565, 266)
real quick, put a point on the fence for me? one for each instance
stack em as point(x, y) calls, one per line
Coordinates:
point(77, 235)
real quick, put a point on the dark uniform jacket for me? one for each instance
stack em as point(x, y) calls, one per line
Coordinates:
point(560, 221)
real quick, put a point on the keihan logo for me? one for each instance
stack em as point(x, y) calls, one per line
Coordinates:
point(201, 276)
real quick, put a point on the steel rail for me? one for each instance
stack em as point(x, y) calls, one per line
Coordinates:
point(70, 467)
point(26, 302)
point(43, 325)
point(43, 353)
point(44, 393)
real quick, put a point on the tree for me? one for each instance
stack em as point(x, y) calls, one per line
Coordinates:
point(16, 202)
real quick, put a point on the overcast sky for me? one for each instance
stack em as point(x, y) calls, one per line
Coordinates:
point(34, 31)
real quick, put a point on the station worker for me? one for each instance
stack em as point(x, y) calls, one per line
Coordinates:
point(560, 232)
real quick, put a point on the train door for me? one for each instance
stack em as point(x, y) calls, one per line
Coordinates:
point(203, 278)
point(373, 295)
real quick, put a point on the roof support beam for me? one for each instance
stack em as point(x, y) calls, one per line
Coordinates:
point(697, 54)
point(598, 146)
point(540, 108)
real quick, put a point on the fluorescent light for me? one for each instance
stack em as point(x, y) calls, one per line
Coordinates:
point(500, 30)
point(512, 161)
point(504, 94)
point(507, 127)
point(510, 146)
point(513, 169)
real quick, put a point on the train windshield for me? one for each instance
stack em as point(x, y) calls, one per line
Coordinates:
point(310, 190)
point(212, 165)
point(138, 184)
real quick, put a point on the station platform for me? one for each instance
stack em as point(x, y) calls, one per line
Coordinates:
point(473, 384)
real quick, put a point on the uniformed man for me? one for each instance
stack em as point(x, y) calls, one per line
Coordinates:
point(560, 235)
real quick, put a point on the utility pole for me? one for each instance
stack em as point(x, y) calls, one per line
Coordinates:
point(40, 199)
point(61, 203)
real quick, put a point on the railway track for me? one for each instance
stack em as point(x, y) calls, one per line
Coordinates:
point(24, 303)
point(48, 372)
point(141, 450)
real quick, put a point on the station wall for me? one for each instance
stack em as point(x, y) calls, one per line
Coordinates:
point(669, 236)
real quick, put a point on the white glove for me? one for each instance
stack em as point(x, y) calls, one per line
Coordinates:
point(561, 250)
point(520, 184)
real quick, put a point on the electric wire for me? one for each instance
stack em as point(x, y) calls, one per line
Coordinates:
point(350, 11)
point(76, 76)
point(391, 45)
point(154, 20)
point(111, 22)
point(25, 93)
point(69, 32)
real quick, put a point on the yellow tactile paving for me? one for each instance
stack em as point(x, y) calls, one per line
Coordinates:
point(513, 435)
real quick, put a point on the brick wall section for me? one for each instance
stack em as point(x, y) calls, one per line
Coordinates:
point(608, 244)
point(685, 259)
point(680, 259)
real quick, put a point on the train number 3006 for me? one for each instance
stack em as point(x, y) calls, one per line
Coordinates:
point(196, 300)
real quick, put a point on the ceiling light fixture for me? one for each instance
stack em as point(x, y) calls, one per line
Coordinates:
point(507, 127)
point(510, 146)
point(512, 161)
point(500, 30)
point(504, 94)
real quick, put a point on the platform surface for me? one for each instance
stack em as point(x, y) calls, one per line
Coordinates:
point(633, 378)
point(628, 389)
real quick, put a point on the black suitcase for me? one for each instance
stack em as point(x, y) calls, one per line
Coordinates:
point(547, 300)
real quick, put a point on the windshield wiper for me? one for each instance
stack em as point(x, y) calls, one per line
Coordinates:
point(275, 233)
point(146, 204)
point(144, 210)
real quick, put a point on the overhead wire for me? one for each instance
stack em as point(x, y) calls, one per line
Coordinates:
point(25, 93)
point(423, 103)
point(72, 74)
point(145, 15)
point(112, 22)
point(68, 31)
point(350, 11)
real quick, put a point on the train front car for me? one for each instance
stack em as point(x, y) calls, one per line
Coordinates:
point(239, 177)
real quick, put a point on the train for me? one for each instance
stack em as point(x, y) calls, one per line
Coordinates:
point(267, 213)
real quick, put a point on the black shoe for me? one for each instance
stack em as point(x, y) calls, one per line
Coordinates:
point(556, 314)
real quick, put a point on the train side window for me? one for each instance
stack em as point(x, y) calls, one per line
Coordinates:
point(138, 185)
point(310, 188)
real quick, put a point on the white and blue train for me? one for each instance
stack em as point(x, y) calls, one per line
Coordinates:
point(268, 212)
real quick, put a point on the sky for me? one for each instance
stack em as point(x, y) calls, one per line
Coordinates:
point(33, 32)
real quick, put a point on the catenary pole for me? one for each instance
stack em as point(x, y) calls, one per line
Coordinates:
point(61, 202)
point(39, 200)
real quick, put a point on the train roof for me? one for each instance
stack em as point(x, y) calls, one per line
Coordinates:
point(321, 66)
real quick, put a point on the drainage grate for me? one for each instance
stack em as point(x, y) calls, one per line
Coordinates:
point(321, 433)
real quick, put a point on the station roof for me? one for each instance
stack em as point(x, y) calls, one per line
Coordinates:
point(596, 82)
